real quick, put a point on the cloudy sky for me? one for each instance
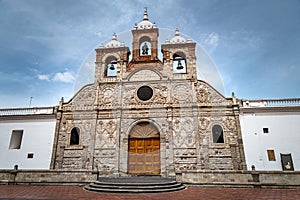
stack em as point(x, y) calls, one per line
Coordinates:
point(255, 45)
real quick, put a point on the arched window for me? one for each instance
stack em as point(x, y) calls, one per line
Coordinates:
point(217, 133)
point(74, 139)
point(111, 66)
point(179, 63)
point(145, 46)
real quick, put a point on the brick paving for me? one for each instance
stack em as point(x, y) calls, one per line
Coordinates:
point(22, 192)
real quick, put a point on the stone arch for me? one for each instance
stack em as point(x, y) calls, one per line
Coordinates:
point(147, 73)
point(144, 129)
point(217, 133)
point(145, 40)
point(111, 65)
point(74, 136)
point(179, 62)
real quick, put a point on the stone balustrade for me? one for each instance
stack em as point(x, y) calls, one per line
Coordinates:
point(271, 102)
point(27, 111)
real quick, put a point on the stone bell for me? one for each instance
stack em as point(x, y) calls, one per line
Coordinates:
point(179, 66)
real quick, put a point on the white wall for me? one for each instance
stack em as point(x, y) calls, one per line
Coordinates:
point(283, 137)
point(38, 136)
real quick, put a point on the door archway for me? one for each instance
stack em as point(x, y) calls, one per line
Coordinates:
point(144, 149)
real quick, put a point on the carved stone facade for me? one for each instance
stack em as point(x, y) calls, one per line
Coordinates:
point(198, 127)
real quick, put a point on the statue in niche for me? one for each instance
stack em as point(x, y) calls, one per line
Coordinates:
point(145, 49)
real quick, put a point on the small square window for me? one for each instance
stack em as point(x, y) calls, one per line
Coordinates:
point(30, 155)
point(271, 155)
point(265, 130)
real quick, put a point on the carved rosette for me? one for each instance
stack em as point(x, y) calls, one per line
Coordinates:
point(181, 93)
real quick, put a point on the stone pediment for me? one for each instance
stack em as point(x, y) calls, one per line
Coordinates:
point(206, 95)
point(83, 99)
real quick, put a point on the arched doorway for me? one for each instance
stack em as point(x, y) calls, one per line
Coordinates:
point(144, 149)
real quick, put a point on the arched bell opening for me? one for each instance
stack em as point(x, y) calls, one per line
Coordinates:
point(145, 46)
point(111, 66)
point(179, 62)
point(144, 149)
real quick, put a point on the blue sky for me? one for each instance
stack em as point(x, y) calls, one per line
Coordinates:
point(255, 45)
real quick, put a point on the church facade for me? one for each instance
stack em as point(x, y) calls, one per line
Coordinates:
point(145, 115)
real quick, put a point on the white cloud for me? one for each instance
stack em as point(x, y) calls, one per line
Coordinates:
point(66, 77)
point(43, 77)
point(99, 33)
point(40, 76)
point(210, 42)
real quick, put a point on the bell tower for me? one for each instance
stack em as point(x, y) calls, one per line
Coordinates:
point(111, 59)
point(144, 43)
point(179, 54)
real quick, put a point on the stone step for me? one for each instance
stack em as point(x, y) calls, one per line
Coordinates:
point(134, 190)
point(127, 186)
point(135, 185)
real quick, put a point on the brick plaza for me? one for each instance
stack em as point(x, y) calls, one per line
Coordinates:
point(75, 192)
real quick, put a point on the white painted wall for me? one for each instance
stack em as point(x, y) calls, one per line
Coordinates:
point(283, 137)
point(38, 137)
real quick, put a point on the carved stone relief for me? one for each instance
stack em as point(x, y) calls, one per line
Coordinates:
point(106, 133)
point(183, 132)
point(181, 93)
point(230, 123)
point(203, 124)
point(85, 97)
point(107, 95)
point(160, 95)
point(129, 95)
point(206, 95)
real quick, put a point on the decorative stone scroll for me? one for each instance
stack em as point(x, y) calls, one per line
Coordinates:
point(161, 94)
point(207, 95)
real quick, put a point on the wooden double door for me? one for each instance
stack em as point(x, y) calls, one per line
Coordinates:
point(144, 150)
point(144, 156)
